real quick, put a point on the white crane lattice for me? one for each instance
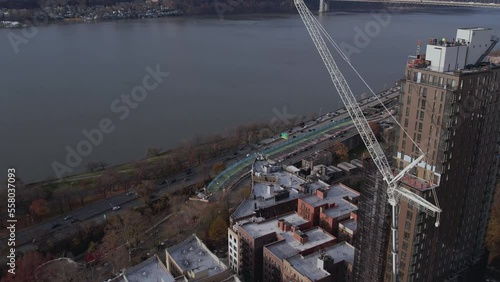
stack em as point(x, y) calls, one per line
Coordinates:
point(394, 191)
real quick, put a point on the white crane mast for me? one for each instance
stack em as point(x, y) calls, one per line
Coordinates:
point(394, 191)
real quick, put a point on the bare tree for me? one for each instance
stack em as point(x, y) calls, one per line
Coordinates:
point(145, 190)
point(92, 166)
point(153, 152)
point(124, 229)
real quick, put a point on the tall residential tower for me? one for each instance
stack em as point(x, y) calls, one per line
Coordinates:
point(450, 107)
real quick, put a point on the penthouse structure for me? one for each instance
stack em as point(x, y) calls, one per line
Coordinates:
point(450, 107)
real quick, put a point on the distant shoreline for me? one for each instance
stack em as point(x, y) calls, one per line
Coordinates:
point(162, 12)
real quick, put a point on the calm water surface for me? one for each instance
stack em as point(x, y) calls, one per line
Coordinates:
point(222, 74)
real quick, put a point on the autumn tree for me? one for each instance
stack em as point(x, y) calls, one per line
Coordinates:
point(26, 266)
point(341, 152)
point(62, 197)
point(111, 179)
point(218, 230)
point(141, 172)
point(83, 190)
point(218, 167)
point(145, 190)
point(375, 127)
point(39, 207)
point(365, 155)
point(123, 229)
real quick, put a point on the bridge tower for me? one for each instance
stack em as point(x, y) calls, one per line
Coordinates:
point(323, 6)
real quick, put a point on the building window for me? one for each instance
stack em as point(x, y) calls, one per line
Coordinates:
point(407, 225)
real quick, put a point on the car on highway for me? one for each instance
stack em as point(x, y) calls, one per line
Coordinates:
point(68, 217)
point(115, 208)
point(54, 226)
point(74, 220)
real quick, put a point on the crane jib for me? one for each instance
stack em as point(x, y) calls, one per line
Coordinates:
point(394, 191)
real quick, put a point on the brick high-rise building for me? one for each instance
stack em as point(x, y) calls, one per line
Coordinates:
point(449, 105)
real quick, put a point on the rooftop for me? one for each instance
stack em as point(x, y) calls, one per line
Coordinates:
point(193, 255)
point(350, 224)
point(262, 197)
point(308, 265)
point(150, 270)
point(291, 246)
point(342, 207)
point(334, 195)
point(259, 229)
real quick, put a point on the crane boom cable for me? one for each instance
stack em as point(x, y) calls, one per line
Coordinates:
point(394, 191)
point(347, 97)
point(344, 56)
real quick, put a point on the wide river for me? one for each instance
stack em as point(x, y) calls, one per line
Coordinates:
point(65, 78)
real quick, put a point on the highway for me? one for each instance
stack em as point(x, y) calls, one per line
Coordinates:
point(316, 131)
point(60, 228)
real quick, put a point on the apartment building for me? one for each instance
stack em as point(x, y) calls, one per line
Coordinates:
point(259, 240)
point(449, 106)
point(193, 261)
point(331, 264)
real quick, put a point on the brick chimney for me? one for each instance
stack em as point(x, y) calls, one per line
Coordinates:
point(281, 224)
point(321, 193)
point(300, 236)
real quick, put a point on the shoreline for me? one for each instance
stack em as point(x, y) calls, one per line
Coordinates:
point(44, 19)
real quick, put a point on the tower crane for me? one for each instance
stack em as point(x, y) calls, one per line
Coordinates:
point(395, 191)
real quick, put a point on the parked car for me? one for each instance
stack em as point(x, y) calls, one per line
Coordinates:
point(115, 208)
